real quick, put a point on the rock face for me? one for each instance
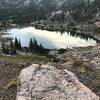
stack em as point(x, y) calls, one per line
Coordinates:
point(45, 82)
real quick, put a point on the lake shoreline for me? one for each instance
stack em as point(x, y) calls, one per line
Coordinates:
point(68, 29)
point(51, 39)
point(58, 27)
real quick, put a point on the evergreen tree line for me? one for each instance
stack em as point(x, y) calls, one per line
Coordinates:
point(13, 46)
point(35, 47)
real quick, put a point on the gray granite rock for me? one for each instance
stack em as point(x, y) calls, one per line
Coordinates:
point(45, 82)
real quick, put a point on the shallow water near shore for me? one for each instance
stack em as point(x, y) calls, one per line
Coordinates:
point(51, 39)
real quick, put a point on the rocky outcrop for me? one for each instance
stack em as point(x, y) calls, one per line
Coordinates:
point(45, 82)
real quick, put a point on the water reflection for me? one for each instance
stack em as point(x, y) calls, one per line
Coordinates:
point(52, 39)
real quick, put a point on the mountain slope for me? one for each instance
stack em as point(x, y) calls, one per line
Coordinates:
point(40, 8)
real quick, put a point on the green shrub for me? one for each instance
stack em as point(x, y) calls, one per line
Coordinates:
point(61, 51)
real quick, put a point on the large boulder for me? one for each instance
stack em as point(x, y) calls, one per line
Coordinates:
point(45, 82)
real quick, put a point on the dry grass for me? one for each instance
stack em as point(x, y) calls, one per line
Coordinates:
point(82, 66)
point(11, 84)
point(24, 59)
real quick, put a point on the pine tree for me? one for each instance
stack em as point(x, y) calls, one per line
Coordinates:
point(16, 43)
point(3, 47)
point(14, 50)
point(31, 44)
point(11, 45)
point(19, 45)
point(7, 50)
